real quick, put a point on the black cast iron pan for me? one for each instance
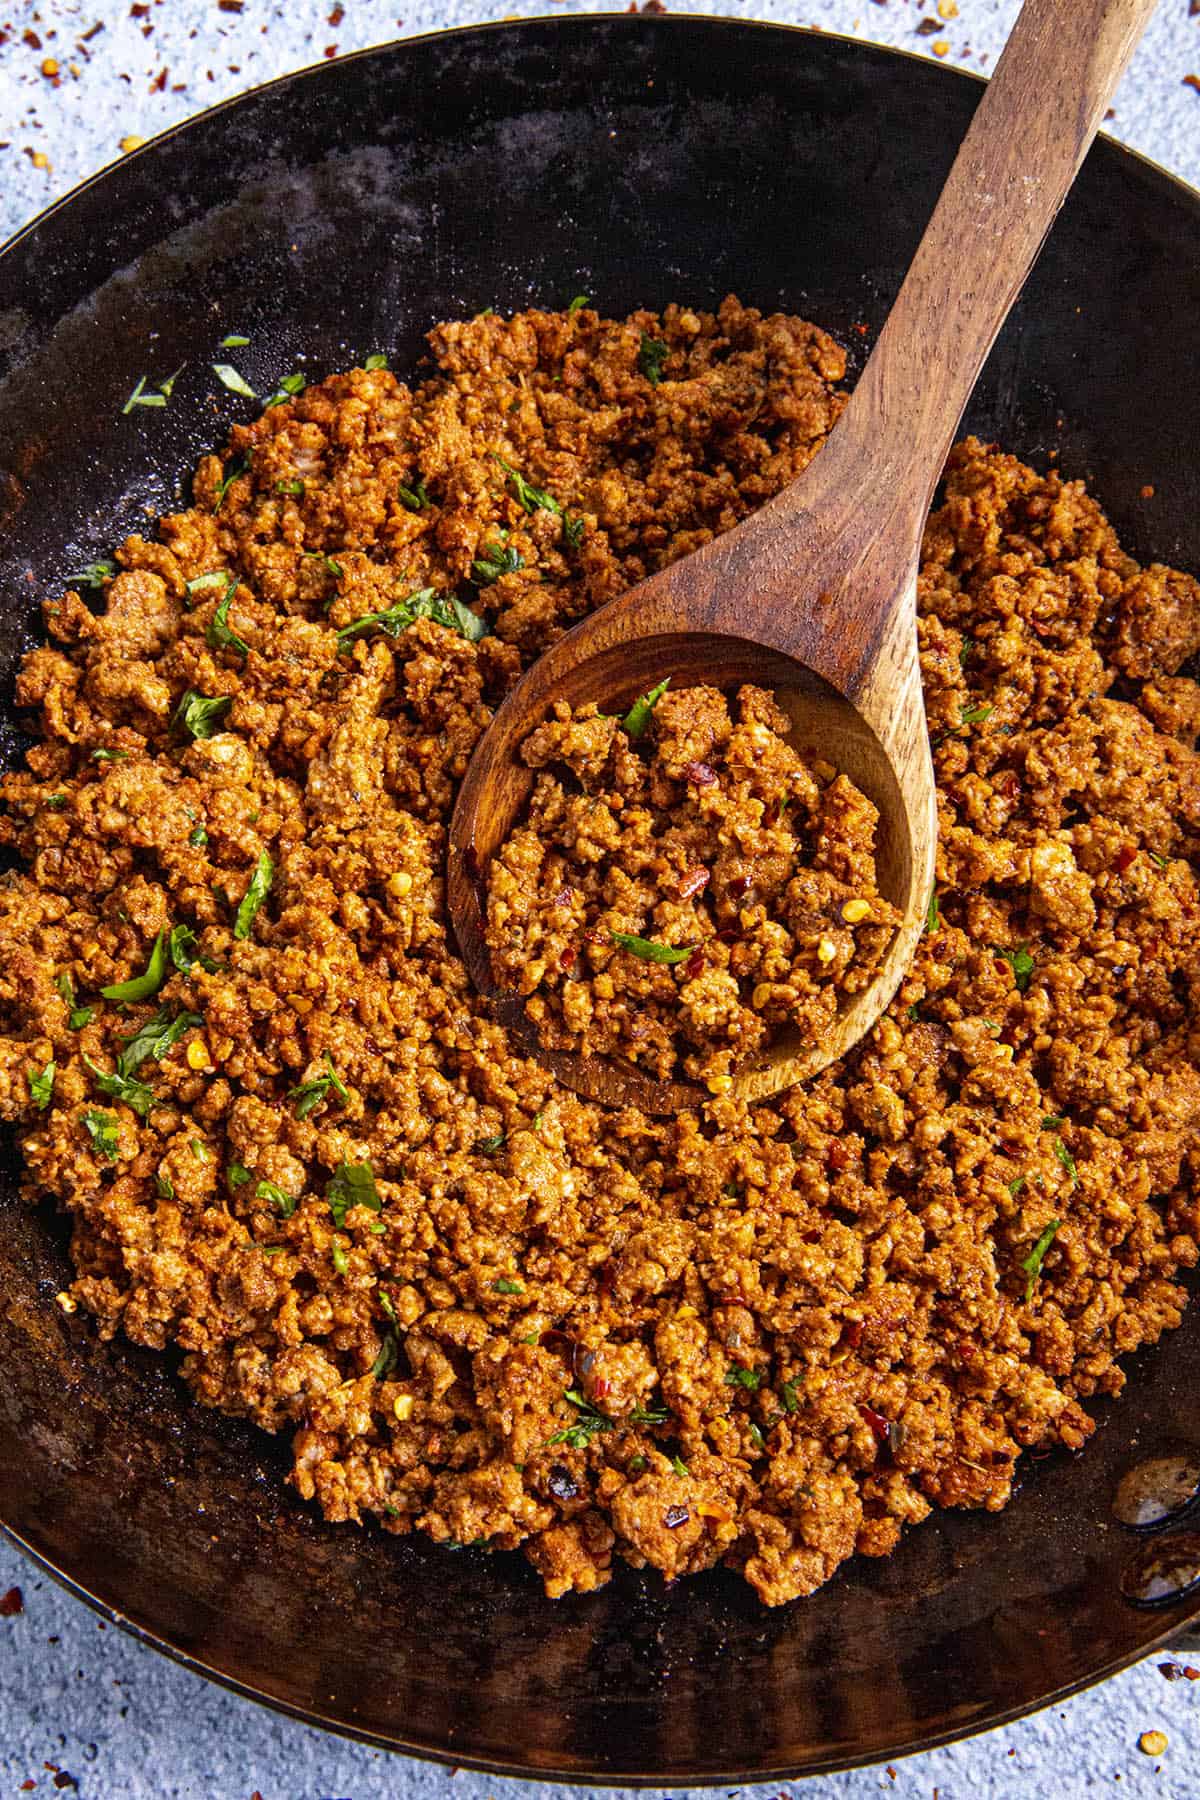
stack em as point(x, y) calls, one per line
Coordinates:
point(343, 211)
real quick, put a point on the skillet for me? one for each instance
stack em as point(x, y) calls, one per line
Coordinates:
point(342, 211)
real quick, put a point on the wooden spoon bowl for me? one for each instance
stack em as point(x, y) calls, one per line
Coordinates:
point(814, 596)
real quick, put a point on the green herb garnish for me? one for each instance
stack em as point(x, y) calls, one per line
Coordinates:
point(228, 376)
point(79, 1015)
point(505, 1286)
point(494, 561)
point(533, 499)
point(184, 949)
point(295, 487)
point(638, 717)
point(1050, 1120)
point(41, 1087)
point(1067, 1160)
point(197, 837)
point(1020, 961)
point(219, 634)
point(587, 1424)
point(648, 950)
point(488, 1146)
point(376, 360)
point(975, 714)
point(289, 387)
point(164, 1187)
point(214, 579)
point(256, 893)
point(104, 1132)
point(200, 715)
point(1159, 861)
point(1015, 1185)
point(233, 342)
point(389, 1356)
point(580, 301)
point(652, 354)
point(443, 609)
point(309, 1094)
point(134, 1093)
point(153, 1039)
point(790, 1392)
point(140, 397)
point(94, 575)
point(572, 530)
point(167, 388)
point(747, 1378)
point(756, 1436)
point(648, 1415)
point(237, 1175)
point(110, 755)
point(1032, 1264)
point(284, 1203)
point(414, 498)
point(352, 1184)
point(239, 466)
point(341, 1261)
point(141, 987)
point(933, 915)
point(680, 1467)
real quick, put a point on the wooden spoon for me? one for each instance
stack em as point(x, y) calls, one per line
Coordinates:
point(814, 596)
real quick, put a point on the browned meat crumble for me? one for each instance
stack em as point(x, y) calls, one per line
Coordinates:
point(678, 908)
point(298, 1149)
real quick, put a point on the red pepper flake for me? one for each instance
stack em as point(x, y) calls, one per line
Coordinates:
point(694, 963)
point(739, 885)
point(336, 16)
point(694, 882)
point(12, 1603)
point(331, 50)
point(1171, 1671)
point(27, 1786)
point(32, 39)
point(159, 82)
point(1125, 855)
point(1191, 1674)
point(852, 1335)
point(1192, 81)
point(700, 774)
point(675, 1516)
point(601, 1387)
point(837, 1157)
point(568, 957)
point(879, 1425)
point(64, 1779)
point(595, 937)
point(138, 10)
point(233, 6)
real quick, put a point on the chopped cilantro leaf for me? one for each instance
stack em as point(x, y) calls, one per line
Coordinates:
point(389, 1356)
point(351, 1184)
point(238, 1175)
point(376, 360)
point(134, 1093)
point(505, 1286)
point(638, 717)
point(308, 1095)
point(153, 1039)
point(495, 560)
point(533, 499)
point(228, 376)
point(256, 893)
point(41, 1087)
point(199, 715)
point(648, 951)
point(1032, 1264)
point(140, 397)
point(94, 575)
point(284, 1203)
point(652, 354)
point(747, 1378)
point(104, 1132)
point(1020, 961)
point(219, 634)
point(141, 987)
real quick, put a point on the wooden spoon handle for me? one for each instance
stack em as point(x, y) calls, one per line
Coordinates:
point(833, 557)
point(1030, 133)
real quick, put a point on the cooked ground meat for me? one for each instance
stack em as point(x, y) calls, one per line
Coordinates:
point(292, 1143)
point(677, 908)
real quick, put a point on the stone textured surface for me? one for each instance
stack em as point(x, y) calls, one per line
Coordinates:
point(82, 1702)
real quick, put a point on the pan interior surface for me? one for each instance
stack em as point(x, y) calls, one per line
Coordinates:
point(345, 211)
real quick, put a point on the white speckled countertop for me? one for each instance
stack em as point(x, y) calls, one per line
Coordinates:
point(83, 1707)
